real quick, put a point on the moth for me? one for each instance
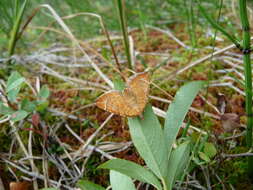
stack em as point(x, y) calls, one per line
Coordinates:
point(131, 101)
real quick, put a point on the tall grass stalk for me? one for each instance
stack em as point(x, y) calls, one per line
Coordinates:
point(191, 21)
point(18, 15)
point(123, 23)
point(248, 76)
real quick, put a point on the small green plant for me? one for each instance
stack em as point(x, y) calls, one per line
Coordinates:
point(165, 165)
point(15, 108)
point(203, 151)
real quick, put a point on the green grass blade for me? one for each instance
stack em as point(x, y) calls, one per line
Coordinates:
point(6, 16)
point(148, 138)
point(16, 28)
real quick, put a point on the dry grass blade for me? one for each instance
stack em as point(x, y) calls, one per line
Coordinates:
point(67, 30)
point(102, 24)
point(34, 169)
point(168, 33)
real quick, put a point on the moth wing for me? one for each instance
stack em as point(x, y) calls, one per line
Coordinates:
point(139, 85)
point(115, 102)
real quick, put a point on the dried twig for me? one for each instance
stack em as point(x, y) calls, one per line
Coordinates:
point(247, 154)
point(93, 136)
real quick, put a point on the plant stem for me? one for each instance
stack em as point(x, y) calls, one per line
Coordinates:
point(123, 24)
point(248, 77)
point(164, 184)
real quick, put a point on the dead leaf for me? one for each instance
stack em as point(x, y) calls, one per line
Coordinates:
point(230, 122)
point(20, 185)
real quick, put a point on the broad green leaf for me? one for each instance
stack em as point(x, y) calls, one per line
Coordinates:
point(132, 170)
point(177, 162)
point(15, 84)
point(87, 185)
point(4, 110)
point(121, 181)
point(204, 157)
point(148, 138)
point(44, 92)
point(28, 105)
point(49, 189)
point(178, 110)
point(210, 150)
point(18, 115)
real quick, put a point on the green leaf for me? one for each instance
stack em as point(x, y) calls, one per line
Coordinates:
point(132, 170)
point(15, 84)
point(12, 95)
point(49, 189)
point(4, 110)
point(148, 138)
point(18, 115)
point(12, 78)
point(87, 185)
point(204, 157)
point(177, 162)
point(120, 181)
point(44, 92)
point(28, 105)
point(178, 110)
point(210, 150)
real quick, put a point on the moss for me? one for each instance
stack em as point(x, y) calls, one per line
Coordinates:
point(5, 138)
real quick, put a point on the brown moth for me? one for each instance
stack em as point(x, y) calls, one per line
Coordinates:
point(131, 101)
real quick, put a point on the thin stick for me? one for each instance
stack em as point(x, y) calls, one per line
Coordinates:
point(94, 135)
point(37, 175)
point(247, 154)
point(35, 183)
